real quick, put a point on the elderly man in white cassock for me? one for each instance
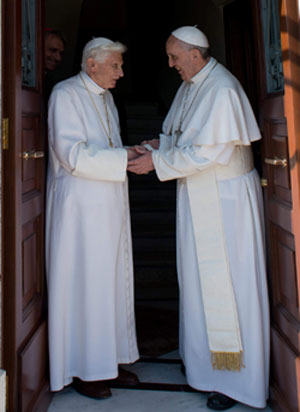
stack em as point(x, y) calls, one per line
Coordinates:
point(206, 146)
point(88, 237)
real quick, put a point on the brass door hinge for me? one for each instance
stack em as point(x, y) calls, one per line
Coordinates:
point(5, 133)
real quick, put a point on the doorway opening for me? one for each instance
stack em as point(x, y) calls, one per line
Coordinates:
point(143, 97)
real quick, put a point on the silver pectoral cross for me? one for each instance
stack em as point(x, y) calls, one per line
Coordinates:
point(177, 134)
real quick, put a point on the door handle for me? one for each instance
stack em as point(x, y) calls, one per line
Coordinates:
point(264, 182)
point(276, 162)
point(32, 154)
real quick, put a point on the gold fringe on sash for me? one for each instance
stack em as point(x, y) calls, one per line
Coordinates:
point(227, 360)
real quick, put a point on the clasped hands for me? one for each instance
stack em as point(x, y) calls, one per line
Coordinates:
point(140, 158)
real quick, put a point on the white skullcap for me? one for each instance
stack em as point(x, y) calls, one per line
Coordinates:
point(191, 35)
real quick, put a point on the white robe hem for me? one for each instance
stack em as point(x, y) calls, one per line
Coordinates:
point(90, 378)
point(233, 395)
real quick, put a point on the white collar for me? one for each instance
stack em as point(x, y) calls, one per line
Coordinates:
point(200, 76)
point(92, 86)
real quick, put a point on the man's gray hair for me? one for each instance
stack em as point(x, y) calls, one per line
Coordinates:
point(204, 51)
point(99, 48)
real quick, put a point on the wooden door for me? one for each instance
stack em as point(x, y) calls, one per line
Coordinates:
point(280, 120)
point(24, 287)
point(275, 97)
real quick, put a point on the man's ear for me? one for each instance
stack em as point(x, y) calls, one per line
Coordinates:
point(196, 55)
point(91, 64)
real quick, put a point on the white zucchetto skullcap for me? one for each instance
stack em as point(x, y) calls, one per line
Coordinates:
point(191, 35)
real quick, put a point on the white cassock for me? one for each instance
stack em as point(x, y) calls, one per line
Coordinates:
point(216, 124)
point(88, 239)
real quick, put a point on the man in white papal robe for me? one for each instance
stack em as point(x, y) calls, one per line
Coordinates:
point(88, 236)
point(206, 146)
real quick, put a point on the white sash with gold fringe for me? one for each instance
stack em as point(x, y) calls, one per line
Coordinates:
point(220, 310)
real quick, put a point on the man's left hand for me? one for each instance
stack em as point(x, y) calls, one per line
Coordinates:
point(135, 151)
point(142, 165)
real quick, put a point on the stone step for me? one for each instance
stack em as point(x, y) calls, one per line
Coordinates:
point(149, 181)
point(158, 274)
point(154, 259)
point(152, 243)
point(138, 137)
point(154, 201)
point(155, 282)
point(163, 226)
point(140, 108)
point(153, 214)
point(147, 231)
point(144, 123)
point(156, 291)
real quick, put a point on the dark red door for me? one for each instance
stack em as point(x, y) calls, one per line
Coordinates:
point(260, 36)
point(280, 123)
point(24, 287)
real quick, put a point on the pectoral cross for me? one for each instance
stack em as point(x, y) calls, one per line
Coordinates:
point(177, 134)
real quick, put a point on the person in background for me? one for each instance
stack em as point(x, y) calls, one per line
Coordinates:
point(206, 146)
point(88, 235)
point(54, 49)
point(55, 43)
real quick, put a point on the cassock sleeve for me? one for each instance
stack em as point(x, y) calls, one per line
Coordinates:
point(68, 141)
point(184, 161)
point(164, 142)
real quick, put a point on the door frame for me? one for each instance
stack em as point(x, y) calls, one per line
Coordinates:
point(18, 348)
point(290, 41)
point(11, 107)
point(288, 102)
point(2, 372)
point(11, 264)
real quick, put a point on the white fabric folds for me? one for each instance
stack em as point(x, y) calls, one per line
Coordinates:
point(88, 239)
point(207, 135)
point(221, 316)
point(219, 121)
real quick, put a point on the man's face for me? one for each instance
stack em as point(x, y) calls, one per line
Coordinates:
point(54, 51)
point(106, 73)
point(183, 60)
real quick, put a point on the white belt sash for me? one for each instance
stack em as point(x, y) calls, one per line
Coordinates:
point(220, 310)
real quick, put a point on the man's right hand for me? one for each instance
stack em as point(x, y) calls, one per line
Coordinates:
point(142, 165)
point(154, 143)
